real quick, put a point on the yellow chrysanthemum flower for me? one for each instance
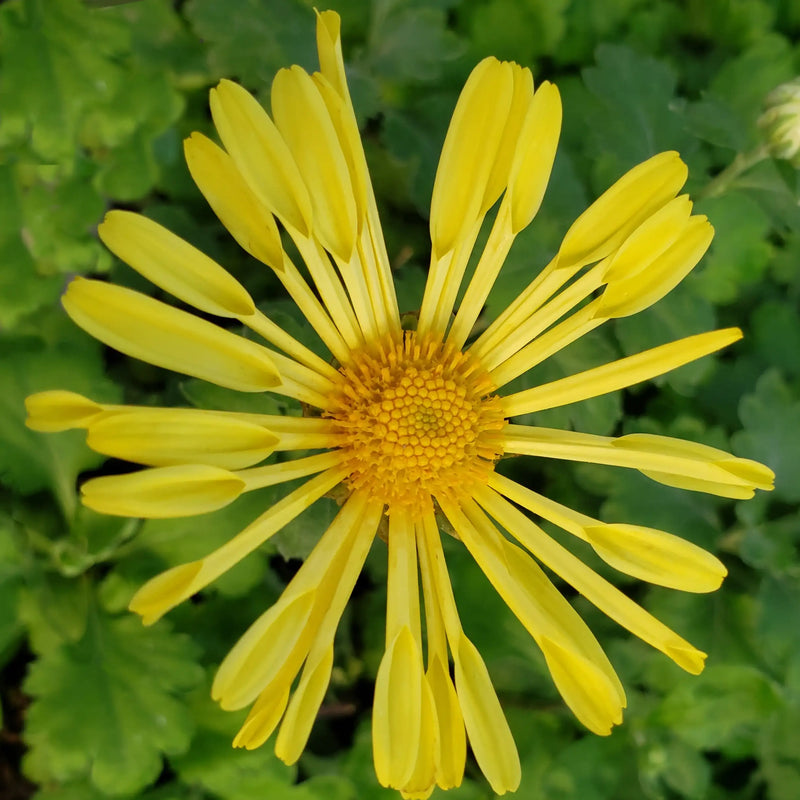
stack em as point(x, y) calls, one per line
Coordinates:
point(409, 424)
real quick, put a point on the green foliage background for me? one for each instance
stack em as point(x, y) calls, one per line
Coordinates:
point(95, 99)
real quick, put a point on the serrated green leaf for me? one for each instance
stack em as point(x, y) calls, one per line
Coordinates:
point(59, 219)
point(719, 624)
point(769, 415)
point(540, 736)
point(54, 609)
point(108, 706)
point(174, 50)
point(740, 252)
point(633, 115)
point(774, 185)
point(21, 289)
point(93, 538)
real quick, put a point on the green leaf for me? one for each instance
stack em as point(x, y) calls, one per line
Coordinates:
point(590, 769)
point(779, 753)
point(46, 229)
point(779, 635)
point(12, 573)
point(252, 44)
point(174, 51)
point(744, 81)
point(589, 24)
point(631, 116)
point(724, 708)
point(767, 415)
point(79, 790)
point(288, 316)
point(31, 461)
point(213, 765)
point(775, 329)
point(54, 609)
point(21, 289)
point(712, 120)
point(324, 787)
point(413, 137)
point(44, 50)
point(123, 133)
point(108, 706)
point(232, 774)
point(730, 25)
point(740, 252)
point(540, 737)
point(669, 762)
point(517, 31)
point(84, 790)
point(768, 545)
point(409, 42)
point(681, 313)
point(720, 624)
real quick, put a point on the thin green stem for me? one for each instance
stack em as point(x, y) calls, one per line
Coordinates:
point(720, 183)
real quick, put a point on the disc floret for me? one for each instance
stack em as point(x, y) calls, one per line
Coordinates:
point(417, 418)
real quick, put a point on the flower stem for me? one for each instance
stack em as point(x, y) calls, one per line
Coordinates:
point(722, 182)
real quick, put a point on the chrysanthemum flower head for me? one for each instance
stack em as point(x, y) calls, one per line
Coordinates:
point(408, 417)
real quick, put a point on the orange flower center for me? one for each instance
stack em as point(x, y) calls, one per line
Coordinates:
point(417, 419)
